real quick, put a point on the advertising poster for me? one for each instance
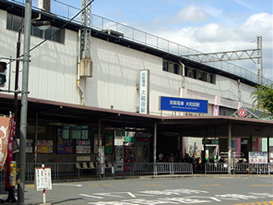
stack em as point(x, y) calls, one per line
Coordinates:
point(258, 157)
point(64, 146)
point(108, 144)
point(96, 143)
point(29, 146)
point(44, 146)
point(83, 147)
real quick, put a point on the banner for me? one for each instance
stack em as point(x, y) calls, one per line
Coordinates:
point(10, 151)
point(4, 138)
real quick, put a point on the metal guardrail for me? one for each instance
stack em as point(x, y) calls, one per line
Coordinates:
point(239, 168)
point(69, 171)
point(67, 12)
point(58, 170)
point(152, 168)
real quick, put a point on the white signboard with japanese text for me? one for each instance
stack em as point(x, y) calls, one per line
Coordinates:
point(43, 179)
point(258, 157)
point(144, 91)
point(101, 159)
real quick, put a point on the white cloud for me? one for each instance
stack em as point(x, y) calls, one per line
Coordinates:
point(191, 14)
point(260, 24)
point(213, 11)
point(242, 3)
point(214, 37)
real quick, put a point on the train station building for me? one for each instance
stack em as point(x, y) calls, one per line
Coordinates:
point(136, 94)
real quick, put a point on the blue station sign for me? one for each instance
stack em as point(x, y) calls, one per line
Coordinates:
point(184, 105)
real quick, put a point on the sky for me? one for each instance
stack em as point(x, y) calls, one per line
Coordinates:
point(203, 25)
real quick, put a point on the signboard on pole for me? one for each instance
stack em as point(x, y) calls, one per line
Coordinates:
point(144, 92)
point(101, 159)
point(43, 179)
point(184, 105)
point(258, 157)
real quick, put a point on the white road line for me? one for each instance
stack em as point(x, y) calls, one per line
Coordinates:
point(90, 196)
point(132, 195)
point(75, 185)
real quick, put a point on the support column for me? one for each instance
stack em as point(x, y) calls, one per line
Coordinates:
point(229, 148)
point(36, 138)
point(258, 144)
point(250, 143)
point(155, 141)
point(183, 147)
point(238, 145)
point(100, 164)
point(268, 151)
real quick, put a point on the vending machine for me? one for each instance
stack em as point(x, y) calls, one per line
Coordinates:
point(119, 159)
point(128, 157)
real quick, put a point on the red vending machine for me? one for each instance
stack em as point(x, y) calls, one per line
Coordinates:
point(128, 157)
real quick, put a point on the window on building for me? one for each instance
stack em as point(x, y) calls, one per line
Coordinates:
point(165, 65)
point(75, 132)
point(176, 69)
point(52, 33)
point(14, 22)
point(172, 67)
point(65, 133)
point(118, 137)
point(200, 75)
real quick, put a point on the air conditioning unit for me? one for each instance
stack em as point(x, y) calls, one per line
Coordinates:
point(86, 66)
point(44, 5)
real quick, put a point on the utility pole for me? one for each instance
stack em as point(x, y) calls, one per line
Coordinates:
point(24, 103)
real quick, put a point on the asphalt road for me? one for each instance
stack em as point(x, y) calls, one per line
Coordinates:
point(148, 191)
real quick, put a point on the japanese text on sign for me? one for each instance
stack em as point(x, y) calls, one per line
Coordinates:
point(184, 105)
point(43, 179)
point(143, 92)
point(258, 157)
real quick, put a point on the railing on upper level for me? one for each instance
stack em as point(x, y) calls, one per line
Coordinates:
point(67, 12)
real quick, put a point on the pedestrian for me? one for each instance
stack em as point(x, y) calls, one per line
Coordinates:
point(171, 158)
point(160, 156)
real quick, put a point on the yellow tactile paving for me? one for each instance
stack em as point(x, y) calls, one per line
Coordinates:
point(258, 203)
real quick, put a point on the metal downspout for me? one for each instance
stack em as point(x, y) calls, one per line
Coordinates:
point(183, 74)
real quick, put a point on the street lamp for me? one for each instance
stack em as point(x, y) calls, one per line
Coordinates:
point(24, 98)
point(42, 25)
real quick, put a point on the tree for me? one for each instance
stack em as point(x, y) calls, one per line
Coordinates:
point(263, 99)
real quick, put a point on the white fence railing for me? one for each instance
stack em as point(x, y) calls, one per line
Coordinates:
point(239, 168)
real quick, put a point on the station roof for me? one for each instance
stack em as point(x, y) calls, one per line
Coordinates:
point(195, 126)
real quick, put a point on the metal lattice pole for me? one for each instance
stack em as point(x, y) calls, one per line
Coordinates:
point(86, 29)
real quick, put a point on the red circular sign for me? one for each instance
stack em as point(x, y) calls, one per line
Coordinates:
point(242, 112)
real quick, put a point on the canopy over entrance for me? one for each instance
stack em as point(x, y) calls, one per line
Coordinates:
point(193, 126)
